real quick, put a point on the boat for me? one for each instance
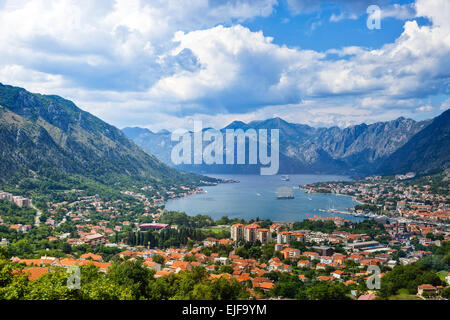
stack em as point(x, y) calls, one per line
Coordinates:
point(285, 193)
point(285, 178)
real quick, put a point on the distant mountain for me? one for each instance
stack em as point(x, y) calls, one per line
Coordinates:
point(159, 143)
point(355, 150)
point(46, 136)
point(428, 151)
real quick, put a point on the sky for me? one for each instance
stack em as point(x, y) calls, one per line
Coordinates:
point(160, 64)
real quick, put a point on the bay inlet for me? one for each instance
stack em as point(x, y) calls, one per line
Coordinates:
point(256, 196)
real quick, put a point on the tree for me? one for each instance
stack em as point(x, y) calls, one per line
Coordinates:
point(131, 274)
point(288, 286)
point(51, 286)
point(445, 293)
point(12, 286)
point(188, 258)
point(202, 291)
point(158, 259)
point(326, 290)
point(190, 245)
point(407, 277)
point(226, 269)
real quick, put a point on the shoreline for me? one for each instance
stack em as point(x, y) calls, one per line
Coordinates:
point(343, 204)
point(337, 194)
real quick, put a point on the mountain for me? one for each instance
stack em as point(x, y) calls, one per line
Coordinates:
point(159, 143)
point(355, 150)
point(427, 151)
point(48, 137)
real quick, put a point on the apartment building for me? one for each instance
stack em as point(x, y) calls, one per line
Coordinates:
point(237, 232)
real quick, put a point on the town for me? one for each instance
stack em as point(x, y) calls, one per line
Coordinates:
point(321, 257)
point(395, 197)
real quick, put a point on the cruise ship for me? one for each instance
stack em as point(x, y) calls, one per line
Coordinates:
point(285, 193)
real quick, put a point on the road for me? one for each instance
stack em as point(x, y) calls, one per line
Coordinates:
point(37, 219)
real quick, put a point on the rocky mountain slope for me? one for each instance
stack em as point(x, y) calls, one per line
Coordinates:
point(428, 151)
point(46, 136)
point(355, 150)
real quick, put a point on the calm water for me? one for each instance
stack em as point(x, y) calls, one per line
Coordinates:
point(255, 196)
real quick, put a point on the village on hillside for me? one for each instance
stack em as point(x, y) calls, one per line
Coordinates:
point(92, 231)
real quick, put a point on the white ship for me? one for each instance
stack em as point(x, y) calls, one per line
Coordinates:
point(285, 193)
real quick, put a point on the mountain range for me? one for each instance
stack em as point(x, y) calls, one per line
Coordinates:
point(48, 137)
point(389, 147)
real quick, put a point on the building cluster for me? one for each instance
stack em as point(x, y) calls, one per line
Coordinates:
point(37, 267)
point(321, 260)
point(250, 233)
point(18, 200)
point(408, 175)
point(391, 198)
point(323, 256)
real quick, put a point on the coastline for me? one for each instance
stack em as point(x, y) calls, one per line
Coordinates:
point(253, 195)
point(338, 194)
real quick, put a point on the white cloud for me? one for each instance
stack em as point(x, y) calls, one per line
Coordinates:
point(426, 108)
point(155, 62)
point(348, 6)
point(352, 9)
point(445, 105)
point(239, 67)
point(108, 44)
point(436, 10)
point(324, 112)
point(343, 16)
point(399, 11)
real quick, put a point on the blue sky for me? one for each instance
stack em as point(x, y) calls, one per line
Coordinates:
point(160, 63)
point(314, 30)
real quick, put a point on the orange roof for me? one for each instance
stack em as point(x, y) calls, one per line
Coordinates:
point(183, 265)
point(243, 277)
point(28, 262)
point(217, 276)
point(266, 285)
point(427, 287)
point(35, 273)
point(162, 273)
point(175, 255)
point(150, 264)
point(91, 256)
point(101, 265)
point(69, 262)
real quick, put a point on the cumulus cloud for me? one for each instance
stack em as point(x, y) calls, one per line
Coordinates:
point(241, 68)
point(154, 63)
point(103, 44)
